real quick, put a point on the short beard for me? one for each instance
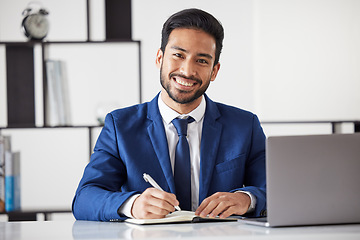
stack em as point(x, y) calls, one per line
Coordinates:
point(174, 97)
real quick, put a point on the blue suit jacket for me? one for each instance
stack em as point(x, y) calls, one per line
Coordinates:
point(133, 142)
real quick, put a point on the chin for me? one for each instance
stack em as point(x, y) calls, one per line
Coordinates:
point(184, 99)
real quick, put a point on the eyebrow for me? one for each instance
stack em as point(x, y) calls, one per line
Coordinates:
point(199, 54)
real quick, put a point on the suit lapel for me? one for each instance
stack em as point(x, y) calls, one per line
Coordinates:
point(210, 141)
point(158, 139)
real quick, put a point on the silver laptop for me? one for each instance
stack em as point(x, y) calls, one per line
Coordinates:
point(312, 180)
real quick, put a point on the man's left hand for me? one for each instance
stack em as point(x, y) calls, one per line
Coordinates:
point(224, 204)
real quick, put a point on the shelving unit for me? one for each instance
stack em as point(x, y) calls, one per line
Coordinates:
point(20, 78)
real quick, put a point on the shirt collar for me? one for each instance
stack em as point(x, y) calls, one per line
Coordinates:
point(169, 114)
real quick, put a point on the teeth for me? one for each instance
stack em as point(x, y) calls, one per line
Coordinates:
point(184, 83)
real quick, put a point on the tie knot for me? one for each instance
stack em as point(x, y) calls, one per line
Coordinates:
point(181, 125)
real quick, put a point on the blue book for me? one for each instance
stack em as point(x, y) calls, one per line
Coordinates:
point(5, 145)
point(12, 181)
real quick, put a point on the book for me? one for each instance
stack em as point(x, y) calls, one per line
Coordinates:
point(179, 217)
point(12, 181)
point(2, 190)
point(57, 95)
point(5, 146)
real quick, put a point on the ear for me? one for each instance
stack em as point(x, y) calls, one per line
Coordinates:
point(215, 71)
point(159, 58)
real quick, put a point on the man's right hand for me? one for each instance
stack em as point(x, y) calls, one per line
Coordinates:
point(154, 203)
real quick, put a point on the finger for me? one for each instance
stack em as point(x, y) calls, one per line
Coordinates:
point(220, 208)
point(169, 197)
point(162, 205)
point(228, 212)
point(210, 207)
point(166, 200)
point(235, 203)
point(203, 205)
point(155, 212)
point(151, 205)
point(216, 204)
point(149, 215)
point(220, 205)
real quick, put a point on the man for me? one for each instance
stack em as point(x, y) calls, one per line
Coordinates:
point(226, 145)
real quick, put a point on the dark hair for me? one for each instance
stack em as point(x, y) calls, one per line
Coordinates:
point(197, 19)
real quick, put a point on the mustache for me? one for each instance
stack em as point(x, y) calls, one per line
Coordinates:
point(185, 77)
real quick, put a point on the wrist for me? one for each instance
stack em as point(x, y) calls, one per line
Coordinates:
point(252, 201)
point(126, 208)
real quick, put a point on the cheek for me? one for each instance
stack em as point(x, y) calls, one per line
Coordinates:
point(169, 67)
point(207, 76)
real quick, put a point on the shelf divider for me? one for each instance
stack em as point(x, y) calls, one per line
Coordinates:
point(20, 85)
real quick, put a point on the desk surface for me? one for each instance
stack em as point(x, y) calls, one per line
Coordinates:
point(221, 230)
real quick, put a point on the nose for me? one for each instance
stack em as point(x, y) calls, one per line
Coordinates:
point(188, 68)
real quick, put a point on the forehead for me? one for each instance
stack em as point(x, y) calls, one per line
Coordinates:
point(192, 40)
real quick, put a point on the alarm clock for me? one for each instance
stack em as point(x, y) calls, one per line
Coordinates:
point(35, 24)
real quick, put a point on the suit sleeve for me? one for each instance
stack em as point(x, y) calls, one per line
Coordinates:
point(255, 173)
point(98, 196)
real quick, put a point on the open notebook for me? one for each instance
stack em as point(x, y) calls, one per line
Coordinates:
point(178, 217)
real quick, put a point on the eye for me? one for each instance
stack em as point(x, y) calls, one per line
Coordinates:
point(202, 61)
point(178, 55)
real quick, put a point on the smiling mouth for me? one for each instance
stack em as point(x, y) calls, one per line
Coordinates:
point(183, 83)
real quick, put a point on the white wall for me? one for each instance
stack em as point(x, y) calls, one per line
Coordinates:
point(307, 59)
point(282, 59)
point(234, 83)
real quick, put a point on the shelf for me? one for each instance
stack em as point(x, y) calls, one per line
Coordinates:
point(31, 215)
point(25, 43)
point(44, 127)
point(31, 43)
point(89, 127)
point(105, 41)
point(334, 123)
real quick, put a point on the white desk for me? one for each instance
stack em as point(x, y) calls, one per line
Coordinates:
point(220, 231)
